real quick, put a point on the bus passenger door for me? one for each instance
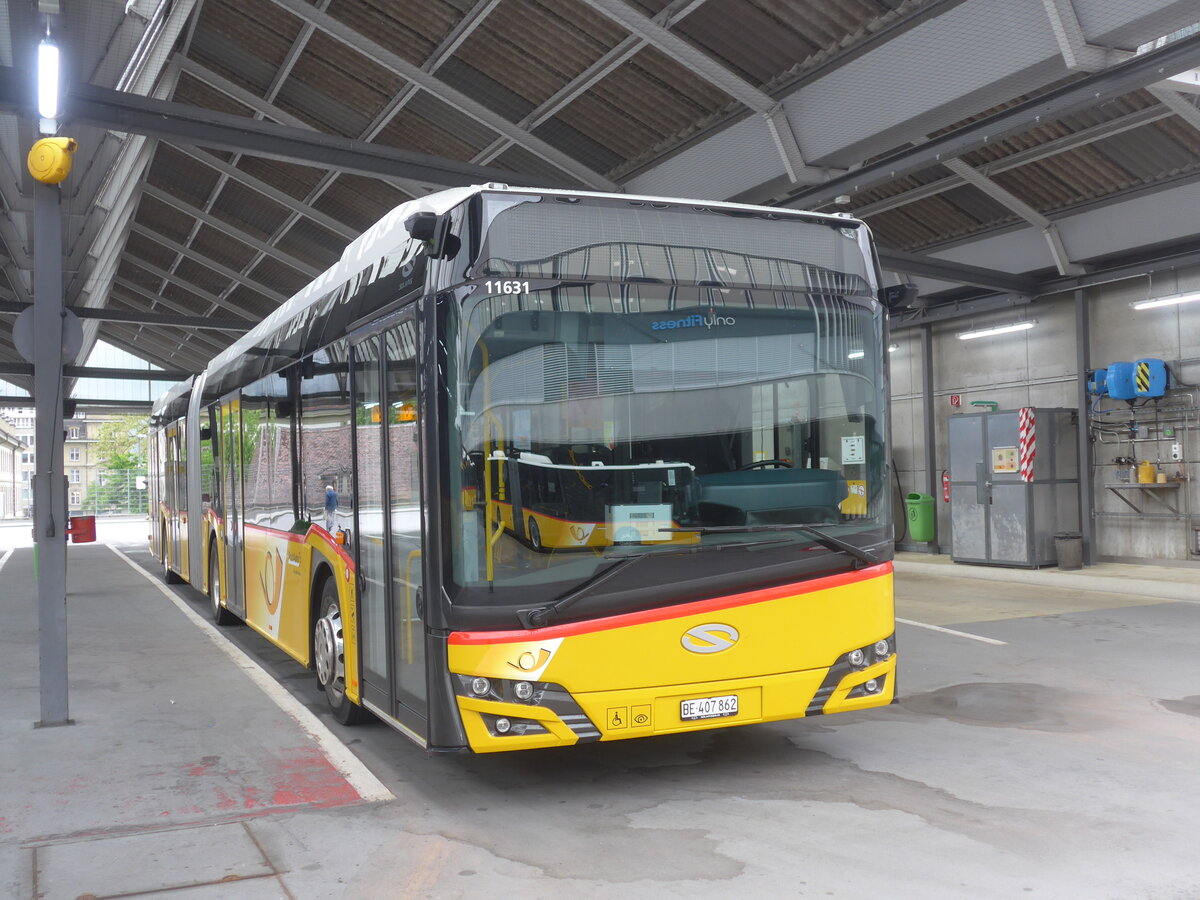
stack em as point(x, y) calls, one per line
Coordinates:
point(392, 633)
point(231, 491)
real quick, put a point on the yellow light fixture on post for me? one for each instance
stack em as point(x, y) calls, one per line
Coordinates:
point(49, 159)
point(407, 412)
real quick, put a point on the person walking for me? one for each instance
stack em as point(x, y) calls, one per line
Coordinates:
point(331, 505)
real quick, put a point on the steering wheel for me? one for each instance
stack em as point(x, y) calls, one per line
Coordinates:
point(778, 463)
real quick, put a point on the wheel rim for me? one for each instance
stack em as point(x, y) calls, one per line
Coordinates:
point(327, 641)
point(535, 534)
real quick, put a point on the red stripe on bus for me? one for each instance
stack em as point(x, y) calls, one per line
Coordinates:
point(715, 604)
point(277, 532)
point(337, 548)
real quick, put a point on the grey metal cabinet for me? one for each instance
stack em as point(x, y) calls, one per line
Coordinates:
point(997, 516)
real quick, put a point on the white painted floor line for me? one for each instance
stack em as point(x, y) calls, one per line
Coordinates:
point(962, 634)
point(350, 766)
point(4, 558)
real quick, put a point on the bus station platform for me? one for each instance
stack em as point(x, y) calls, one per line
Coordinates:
point(178, 753)
point(189, 773)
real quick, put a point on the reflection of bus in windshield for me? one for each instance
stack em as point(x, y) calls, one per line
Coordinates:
point(605, 467)
point(616, 459)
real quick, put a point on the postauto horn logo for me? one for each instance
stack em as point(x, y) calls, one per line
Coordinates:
point(711, 638)
point(695, 320)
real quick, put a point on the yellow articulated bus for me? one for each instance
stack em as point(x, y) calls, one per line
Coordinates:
point(531, 468)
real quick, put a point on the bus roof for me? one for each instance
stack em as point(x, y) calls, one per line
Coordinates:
point(389, 233)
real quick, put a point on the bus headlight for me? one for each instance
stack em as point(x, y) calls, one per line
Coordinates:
point(857, 658)
point(480, 687)
point(523, 690)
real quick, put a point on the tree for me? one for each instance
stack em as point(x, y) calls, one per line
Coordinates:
point(121, 453)
point(121, 443)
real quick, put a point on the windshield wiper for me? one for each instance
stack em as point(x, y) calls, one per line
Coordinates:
point(543, 615)
point(824, 538)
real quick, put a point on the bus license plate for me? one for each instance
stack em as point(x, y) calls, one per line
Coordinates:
point(709, 707)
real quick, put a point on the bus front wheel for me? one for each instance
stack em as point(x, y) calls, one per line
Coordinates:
point(330, 657)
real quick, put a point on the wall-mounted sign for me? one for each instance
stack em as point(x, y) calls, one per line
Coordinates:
point(1004, 459)
point(956, 399)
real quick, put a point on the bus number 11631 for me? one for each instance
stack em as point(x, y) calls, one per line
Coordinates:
point(508, 287)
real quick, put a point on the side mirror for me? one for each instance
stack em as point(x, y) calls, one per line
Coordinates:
point(898, 296)
point(283, 409)
point(422, 226)
point(428, 227)
point(205, 433)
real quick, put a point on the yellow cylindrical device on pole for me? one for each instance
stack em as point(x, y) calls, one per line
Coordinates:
point(50, 159)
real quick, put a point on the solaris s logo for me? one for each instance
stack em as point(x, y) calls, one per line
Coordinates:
point(695, 320)
point(711, 638)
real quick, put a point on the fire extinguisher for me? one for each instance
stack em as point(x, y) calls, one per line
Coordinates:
point(945, 486)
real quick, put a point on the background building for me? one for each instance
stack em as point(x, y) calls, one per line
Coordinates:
point(10, 455)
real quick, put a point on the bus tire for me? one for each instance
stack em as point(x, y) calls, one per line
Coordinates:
point(535, 534)
point(329, 657)
point(168, 574)
point(220, 614)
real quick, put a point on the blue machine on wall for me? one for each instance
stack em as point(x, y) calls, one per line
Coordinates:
point(1144, 379)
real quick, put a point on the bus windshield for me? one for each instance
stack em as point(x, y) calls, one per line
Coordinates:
point(594, 420)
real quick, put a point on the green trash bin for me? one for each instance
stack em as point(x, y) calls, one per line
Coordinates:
point(922, 521)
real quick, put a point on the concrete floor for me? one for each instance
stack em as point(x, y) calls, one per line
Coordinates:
point(1045, 747)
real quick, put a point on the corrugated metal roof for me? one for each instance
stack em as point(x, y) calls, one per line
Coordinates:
point(641, 108)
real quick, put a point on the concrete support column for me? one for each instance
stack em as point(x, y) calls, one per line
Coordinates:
point(931, 474)
point(1087, 500)
point(49, 487)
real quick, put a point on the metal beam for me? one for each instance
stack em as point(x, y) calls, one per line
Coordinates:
point(181, 123)
point(1178, 104)
point(149, 190)
point(328, 222)
point(198, 292)
point(209, 263)
point(960, 273)
point(704, 66)
point(265, 108)
point(18, 402)
point(1085, 93)
point(141, 318)
point(958, 310)
point(100, 372)
point(597, 71)
point(1016, 160)
point(1014, 203)
point(382, 56)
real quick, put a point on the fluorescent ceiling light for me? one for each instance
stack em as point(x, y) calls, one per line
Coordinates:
point(858, 354)
point(48, 79)
point(1166, 301)
point(996, 329)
